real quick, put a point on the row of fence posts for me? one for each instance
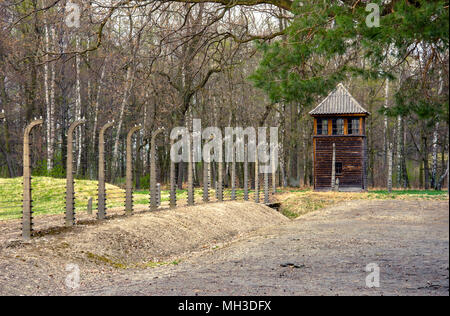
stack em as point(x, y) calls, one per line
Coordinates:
point(155, 188)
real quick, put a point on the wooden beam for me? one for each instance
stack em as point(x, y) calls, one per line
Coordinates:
point(314, 163)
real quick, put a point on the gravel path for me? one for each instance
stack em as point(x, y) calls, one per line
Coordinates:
point(322, 253)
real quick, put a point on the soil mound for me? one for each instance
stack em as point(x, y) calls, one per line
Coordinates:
point(152, 237)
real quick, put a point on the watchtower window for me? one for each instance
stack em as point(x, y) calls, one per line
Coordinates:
point(338, 168)
point(353, 126)
point(338, 126)
point(322, 127)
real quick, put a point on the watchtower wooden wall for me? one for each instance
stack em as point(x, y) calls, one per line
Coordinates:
point(350, 153)
point(339, 119)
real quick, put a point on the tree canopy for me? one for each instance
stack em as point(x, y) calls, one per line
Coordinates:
point(327, 41)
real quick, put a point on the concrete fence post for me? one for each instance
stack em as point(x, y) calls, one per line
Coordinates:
point(256, 176)
point(158, 194)
point(266, 188)
point(101, 212)
point(191, 198)
point(220, 176)
point(246, 173)
point(216, 189)
point(153, 199)
point(89, 207)
point(129, 170)
point(70, 183)
point(27, 217)
point(233, 175)
point(220, 181)
point(173, 188)
point(274, 153)
point(206, 181)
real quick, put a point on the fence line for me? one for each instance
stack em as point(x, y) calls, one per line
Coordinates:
point(77, 200)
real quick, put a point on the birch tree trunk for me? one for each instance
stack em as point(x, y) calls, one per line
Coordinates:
point(49, 87)
point(95, 119)
point(399, 150)
point(127, 91)
point(426, 170)
point(7, 150)
point(78, 102)
point(434, 162)
point(47, 98)
point(52, 100)
point(97, 104)
point(389, 180)
point(385, 124)
point(128, 87)
point(434, 180)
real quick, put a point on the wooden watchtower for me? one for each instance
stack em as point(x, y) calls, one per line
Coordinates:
point(340, 120)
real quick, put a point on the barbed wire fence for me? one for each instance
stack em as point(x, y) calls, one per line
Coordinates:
point(217, 182)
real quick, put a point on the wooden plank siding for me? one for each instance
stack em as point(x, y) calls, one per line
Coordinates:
point(351, 146)
point(349, 151)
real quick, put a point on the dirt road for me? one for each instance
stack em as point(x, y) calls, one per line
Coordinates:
point(322, 253)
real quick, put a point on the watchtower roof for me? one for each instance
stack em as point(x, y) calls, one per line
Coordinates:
point(339, 101)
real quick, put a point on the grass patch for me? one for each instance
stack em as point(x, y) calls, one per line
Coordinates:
point(48, 196)
point(105, 260)
point(152, 264)
point(120, 265)
point(410, 192)
point(295, 202)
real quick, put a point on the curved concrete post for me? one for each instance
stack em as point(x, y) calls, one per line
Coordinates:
point(219, 192)
point(266, 188)
point(256, 176)
point(27, 218)
point(233, 175)
point(70, 189)
point(207, 178)
point(129, 171)
point(101, 213)
point(158, 194)
point(246, 173)
point(265, 182)
point(173, 191)
point(153, 193)
point(206, 181)
point(191, 199)
point(274, 152)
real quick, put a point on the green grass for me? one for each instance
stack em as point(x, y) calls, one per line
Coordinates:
point(48, 196)
point(409, 192)
point(295, 202)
